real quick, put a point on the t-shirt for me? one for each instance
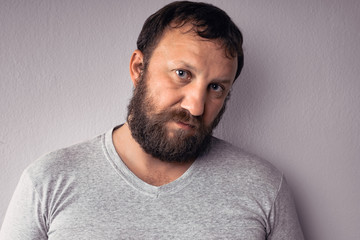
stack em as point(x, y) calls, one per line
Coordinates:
point(86, 192)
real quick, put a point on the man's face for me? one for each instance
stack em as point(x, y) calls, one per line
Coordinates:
point(180, 96)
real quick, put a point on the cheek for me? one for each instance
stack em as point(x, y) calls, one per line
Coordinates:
point(160, 89)
point(164, 98)
point(212, 109)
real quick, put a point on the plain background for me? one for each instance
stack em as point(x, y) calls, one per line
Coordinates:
point(64, 79)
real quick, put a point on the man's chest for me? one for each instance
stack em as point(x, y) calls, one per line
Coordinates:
point(156, 219)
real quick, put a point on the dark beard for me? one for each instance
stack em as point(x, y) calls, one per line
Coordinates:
point(149, 129)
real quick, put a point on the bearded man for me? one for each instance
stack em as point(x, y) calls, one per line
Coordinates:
point(161, 174)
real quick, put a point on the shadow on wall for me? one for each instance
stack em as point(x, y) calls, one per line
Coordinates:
point(246, 118)
point(246, 106)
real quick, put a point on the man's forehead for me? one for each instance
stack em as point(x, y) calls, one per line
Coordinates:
point(173, 32)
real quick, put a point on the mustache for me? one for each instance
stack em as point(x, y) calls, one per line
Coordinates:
point(180, 115)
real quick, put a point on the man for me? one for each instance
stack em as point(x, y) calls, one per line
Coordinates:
point(161, 175)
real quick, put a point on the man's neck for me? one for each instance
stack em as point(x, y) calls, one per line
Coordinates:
point(149, 169)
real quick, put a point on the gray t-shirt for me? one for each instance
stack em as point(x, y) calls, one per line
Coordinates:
point(87, 192)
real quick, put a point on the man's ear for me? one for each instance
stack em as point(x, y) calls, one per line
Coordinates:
point(136, 66)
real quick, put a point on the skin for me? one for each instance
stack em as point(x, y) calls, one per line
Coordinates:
point(184, 71)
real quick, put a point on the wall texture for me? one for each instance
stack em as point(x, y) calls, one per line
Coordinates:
point(64, 78)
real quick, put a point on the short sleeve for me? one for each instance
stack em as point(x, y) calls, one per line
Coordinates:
point(25, 216)
point(283, 219)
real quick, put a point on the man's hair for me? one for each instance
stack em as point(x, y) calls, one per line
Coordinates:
point(208, 22)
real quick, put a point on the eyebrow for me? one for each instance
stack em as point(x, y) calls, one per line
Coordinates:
point(225, 81)
point(190, 67)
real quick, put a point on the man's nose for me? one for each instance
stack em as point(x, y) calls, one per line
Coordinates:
point(194, 100)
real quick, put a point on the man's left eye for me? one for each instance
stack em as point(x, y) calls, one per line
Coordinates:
point(182, 74)
point(216, 87)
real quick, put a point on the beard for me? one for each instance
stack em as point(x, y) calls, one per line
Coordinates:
point(149, 129)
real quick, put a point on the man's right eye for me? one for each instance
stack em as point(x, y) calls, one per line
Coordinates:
point(183, 74)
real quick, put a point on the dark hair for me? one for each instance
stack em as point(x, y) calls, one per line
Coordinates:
point(208, 22)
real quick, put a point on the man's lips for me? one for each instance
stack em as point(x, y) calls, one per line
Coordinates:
point(185, 125)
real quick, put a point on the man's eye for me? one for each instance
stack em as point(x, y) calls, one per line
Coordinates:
point(216, 87)
point(183, 74)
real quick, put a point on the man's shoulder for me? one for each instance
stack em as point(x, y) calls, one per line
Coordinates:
point(65, 160)
point(239, 165)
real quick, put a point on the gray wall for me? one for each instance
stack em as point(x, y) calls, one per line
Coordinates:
point(64, 78)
